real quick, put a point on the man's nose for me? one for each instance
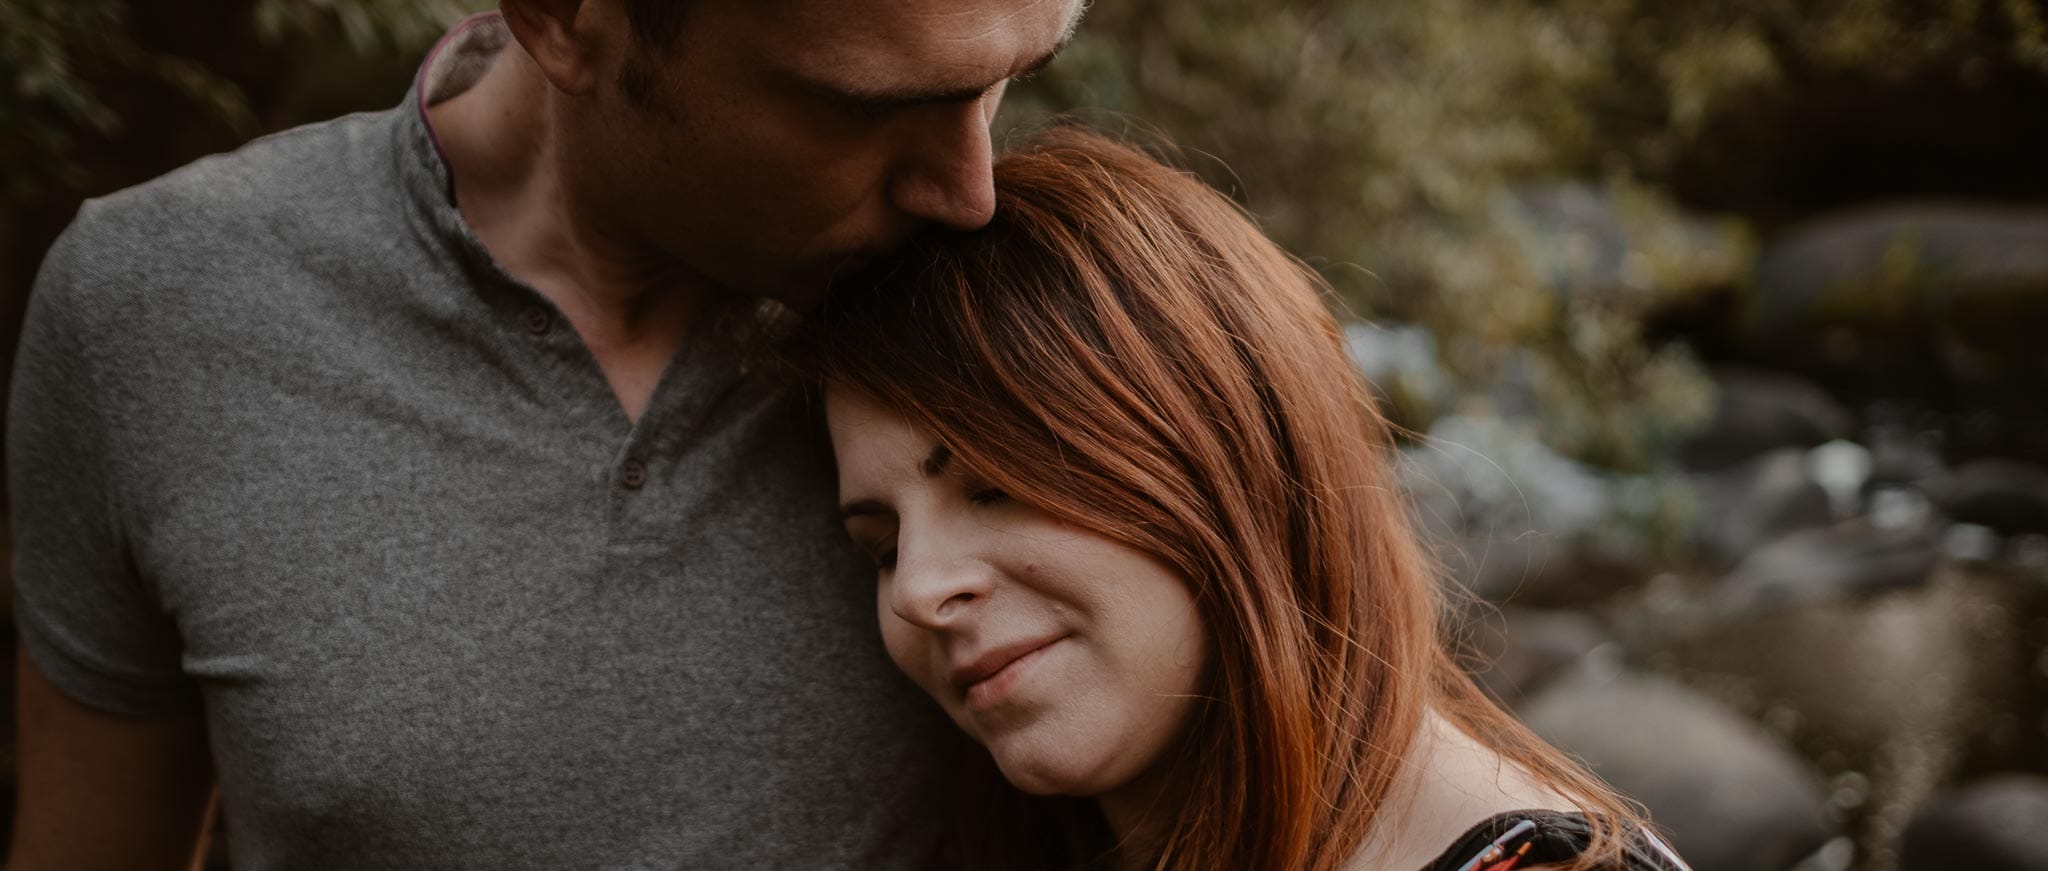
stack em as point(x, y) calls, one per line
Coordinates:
point(947, 174)
point(935, 587)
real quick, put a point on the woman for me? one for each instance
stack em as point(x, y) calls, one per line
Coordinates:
point(1136, 529)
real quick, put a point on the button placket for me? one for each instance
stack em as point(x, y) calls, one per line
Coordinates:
point(632, 474)
point(630, 522)
point(538, 321)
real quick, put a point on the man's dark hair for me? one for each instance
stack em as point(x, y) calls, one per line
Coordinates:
point(656, 22)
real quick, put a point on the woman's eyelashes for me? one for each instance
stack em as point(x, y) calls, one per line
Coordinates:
point(883, 554)
point(980, 492)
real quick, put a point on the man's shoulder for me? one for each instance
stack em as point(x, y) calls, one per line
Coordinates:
point(228, 212)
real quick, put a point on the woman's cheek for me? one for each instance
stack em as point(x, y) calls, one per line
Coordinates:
point(908, 647)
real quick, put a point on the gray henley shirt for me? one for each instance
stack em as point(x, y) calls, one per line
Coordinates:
point(288, 444)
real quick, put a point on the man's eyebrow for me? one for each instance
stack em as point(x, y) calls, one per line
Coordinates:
point(920, 96)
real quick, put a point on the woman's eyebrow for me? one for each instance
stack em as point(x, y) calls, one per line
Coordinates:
point(864, 508)
point(935, 464)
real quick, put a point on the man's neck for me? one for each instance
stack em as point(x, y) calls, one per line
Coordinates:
point(631, 305)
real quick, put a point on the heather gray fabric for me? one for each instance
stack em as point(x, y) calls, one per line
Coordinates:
point(286, 443)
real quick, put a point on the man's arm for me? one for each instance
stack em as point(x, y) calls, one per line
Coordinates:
point(99, 791)
point(113, 767)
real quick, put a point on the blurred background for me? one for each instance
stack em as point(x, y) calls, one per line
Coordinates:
point(1718, 331)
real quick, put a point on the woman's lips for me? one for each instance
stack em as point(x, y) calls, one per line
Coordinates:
point(994, 689)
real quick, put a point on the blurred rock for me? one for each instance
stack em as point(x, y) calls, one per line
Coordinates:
point(1903, 458)
point(1836, 855)
point(1997, 823)
point(1757, 412)
point(1502, 509)
point(1904, 261)
point(1901, 689)
point(1898, 508)
point(1732, 797)
point(1521, 650)
point(2029, 552)
point(1849, 559)
point(1401, 363)
point(1841, 468)
point(1758, 502)
point(2007, 496)
point(1968, 542)
point(1496, 472)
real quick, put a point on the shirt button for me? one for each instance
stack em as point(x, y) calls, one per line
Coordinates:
point(538, 321)
point(632, 474)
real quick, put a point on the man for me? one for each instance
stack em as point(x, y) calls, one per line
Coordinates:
point(392, 474)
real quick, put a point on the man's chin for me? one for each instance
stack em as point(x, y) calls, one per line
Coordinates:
point(804, 288)
point(805, 282)
point(798, 290)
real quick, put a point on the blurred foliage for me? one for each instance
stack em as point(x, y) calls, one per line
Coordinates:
point(1385, 141)
point(63, 62)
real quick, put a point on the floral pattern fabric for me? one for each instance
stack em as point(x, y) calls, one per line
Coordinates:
point(1526, 839)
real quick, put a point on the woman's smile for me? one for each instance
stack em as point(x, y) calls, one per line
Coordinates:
point(995, 687)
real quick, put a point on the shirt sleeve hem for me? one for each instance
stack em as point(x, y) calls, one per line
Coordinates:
point(126, 695)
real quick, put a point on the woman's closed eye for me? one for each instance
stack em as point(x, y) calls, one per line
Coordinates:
point(880, 550)
point(875, 538)
point(987, 496)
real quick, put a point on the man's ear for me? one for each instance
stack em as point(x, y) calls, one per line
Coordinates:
point(561, 38)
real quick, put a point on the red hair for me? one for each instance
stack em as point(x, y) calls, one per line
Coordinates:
point(1122, 347)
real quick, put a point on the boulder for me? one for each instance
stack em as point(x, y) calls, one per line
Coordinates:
point(1902, 261)
point(1955, 290)
point(1758, 502)
point(1841, 468)
point(1854, 558)
point(1731, 796)
point(1900, 689)
point(1902, 457)
point(1503, 510)
point(1519, 651)
point(2004, 495)
point(1996, 823)
point(1758, 412)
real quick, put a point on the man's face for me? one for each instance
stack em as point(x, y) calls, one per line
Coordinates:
point(775, 142)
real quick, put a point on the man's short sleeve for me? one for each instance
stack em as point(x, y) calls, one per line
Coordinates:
point(86, 617)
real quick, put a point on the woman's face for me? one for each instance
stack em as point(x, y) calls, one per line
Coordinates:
point(1073, 658)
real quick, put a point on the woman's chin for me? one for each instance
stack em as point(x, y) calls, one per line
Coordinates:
point(1051, 770)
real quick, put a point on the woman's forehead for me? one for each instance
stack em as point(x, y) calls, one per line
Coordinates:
point(867, 432)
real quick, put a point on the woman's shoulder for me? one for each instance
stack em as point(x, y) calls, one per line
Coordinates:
point(1460, 799)
point(1451, 785)
point(1532, 840)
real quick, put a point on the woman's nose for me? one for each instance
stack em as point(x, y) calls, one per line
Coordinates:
point(935, 586)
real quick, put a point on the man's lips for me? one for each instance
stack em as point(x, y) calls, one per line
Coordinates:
point(994, 660)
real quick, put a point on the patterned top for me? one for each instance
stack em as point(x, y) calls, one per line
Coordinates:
point(1526, 839)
